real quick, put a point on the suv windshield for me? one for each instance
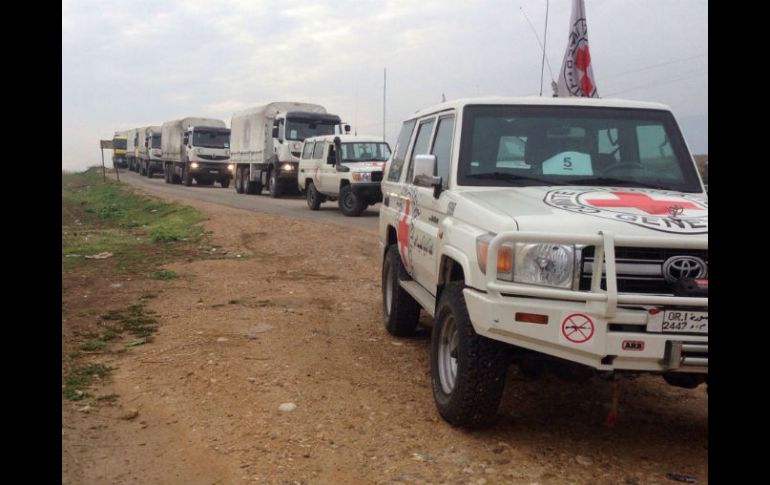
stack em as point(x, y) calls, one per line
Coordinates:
point(119, 143)
point(211, 139)
point(155, 141)
point(299, 129)
point(365, 152)
point(573, 145)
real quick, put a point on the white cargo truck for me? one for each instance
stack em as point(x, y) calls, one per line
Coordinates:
point(347, 168)
point(267, 140)
point(150, 152)
point(132, 148)
point(196, 149)
point(569, 234)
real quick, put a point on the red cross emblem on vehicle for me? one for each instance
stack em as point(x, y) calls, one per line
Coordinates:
point(643, 202)
point(402, 233)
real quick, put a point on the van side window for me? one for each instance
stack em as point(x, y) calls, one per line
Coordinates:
point(442, 148)
point(399, 154)
point(307, 150)
point(421, 146)
point(318, 150)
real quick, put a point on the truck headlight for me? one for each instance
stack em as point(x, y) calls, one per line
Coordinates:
point(362, 176)
point(194, 165)
point(545, 264)
point(287, 167)
point(231, 167)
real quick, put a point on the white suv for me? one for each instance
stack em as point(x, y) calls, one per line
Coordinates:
point(347, 168)
point(569, 231)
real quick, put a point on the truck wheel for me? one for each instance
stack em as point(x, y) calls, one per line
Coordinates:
point(467, 370)
point(175, 179)
point(400, 311)
point(187, 179)
point(225, 183)
point(250, 187)
point(272, 184)
point(350, 204)
point(238, 180)
point(313, 197)
point(166, 176)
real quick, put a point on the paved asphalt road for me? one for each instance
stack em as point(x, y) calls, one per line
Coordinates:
point(292, 205)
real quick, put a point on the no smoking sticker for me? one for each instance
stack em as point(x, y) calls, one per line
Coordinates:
point(578, 328)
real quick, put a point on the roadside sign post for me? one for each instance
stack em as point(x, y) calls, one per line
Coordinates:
point(104, 170)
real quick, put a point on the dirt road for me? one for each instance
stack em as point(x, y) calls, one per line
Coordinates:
point(297, 319)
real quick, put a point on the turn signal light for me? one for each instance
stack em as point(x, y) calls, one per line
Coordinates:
point(532, 318)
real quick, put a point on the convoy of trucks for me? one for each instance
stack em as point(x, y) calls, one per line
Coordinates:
point(267, 142)
point(119, 150)
point(196, 149)
point(150, 151)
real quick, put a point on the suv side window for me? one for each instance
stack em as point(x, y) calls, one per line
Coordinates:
point(399, 154)
point(442, 148)
point(318, 150)
point(307, 150)
point(421, 146)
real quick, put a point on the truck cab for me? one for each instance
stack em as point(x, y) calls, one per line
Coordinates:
point(289, 132)
point(345, 168)
point(150, 152)
point(119, 143)
point(206, 155)
point(566, 231)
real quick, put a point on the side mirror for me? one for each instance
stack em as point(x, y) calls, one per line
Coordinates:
point(424, 166)
point(347, 129)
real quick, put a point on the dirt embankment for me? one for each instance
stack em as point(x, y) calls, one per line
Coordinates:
point(297, 319)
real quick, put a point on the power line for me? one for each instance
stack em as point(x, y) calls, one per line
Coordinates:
point(689, 75)
point(673, 61)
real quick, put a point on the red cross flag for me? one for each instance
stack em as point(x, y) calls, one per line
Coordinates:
point(577, 77)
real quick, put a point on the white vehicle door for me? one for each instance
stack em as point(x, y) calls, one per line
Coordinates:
point(329, 178)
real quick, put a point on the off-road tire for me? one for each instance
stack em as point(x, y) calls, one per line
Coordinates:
point(313, 197)
point(238, 180)
point(350, 204)
point(273, 185)
point(400, 311)
point(481, 365)
point(187, 178)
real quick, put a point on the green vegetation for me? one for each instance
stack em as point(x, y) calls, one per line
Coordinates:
point(163, 275)
point(80, 377)
point(109, 217)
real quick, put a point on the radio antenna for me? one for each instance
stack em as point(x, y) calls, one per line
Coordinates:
point(542, 47)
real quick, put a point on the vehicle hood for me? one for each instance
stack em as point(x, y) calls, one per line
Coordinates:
point(583, 210)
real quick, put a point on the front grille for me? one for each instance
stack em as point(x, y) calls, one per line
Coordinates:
point(376, 176)
point(213, 157)
point(639, 270)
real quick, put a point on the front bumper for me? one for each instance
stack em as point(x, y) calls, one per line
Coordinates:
point(370, 191)
point(287, 176)
point(600, 328)
point(212, 169)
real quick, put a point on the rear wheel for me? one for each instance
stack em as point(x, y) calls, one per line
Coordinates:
point(400, 311)
point(467, 370)
point(166, 175)
point(225, 183)
point(313, 197)
point(350, 204)
point(187, 179)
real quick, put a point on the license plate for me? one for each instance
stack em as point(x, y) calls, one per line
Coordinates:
point(213, 171)
point(678, 321)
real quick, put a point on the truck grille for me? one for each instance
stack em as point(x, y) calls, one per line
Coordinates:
point(213, 157)
point(639, 270)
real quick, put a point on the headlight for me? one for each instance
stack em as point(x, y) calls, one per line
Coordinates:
point(194, 165)
point(287, 167)
point(544, 264)
point(362, 176)
point(231, 167)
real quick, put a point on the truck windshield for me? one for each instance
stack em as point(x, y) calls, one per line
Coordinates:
point(573, 145)
point(299, 129)
point(155, 141)
point(119, 143)
point(211, 139)
point(363, 152)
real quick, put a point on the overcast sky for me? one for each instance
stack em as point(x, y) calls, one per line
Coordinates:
point(138, 63)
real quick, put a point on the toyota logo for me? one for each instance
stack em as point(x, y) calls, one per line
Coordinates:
point(678, 267)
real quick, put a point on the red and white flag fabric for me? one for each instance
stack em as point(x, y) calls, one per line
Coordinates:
point(577, 77)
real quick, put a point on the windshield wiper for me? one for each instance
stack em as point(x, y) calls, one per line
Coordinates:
point(510, 177)
point(618, 182)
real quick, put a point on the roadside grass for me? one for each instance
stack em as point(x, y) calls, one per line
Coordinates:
point(80, 377)
point(108, 217)
point(163, 274)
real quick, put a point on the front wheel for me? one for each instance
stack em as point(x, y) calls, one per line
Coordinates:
point(225, 183)
point(272, 184)
point(313, 197)
point(350, 204)
point(401, 312)
point(239, 180)
point(467, 370)
point(187, 177)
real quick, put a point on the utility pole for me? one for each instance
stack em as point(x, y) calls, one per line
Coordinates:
point(384, 92)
